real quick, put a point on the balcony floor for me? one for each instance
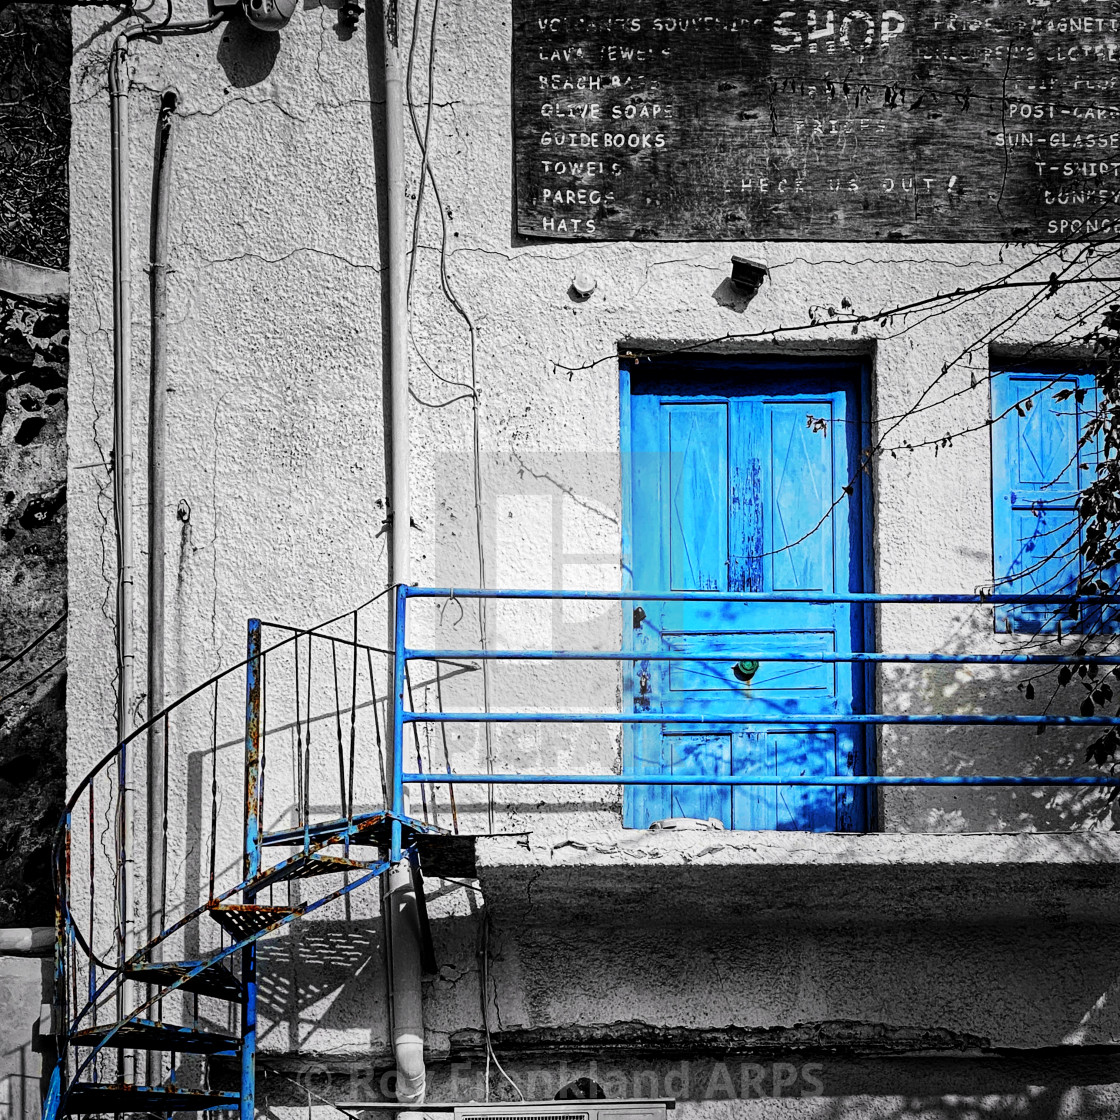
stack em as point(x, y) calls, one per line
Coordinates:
point(626, 877)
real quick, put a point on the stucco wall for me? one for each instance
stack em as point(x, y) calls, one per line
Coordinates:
point(25, 985)
point(276, 395)
point(276, 453)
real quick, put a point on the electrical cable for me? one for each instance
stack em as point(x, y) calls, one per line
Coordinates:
point(484, 996)
point(422, 139)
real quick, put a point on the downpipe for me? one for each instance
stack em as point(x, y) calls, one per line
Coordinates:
point(399, 902)
point(405, 980)
point(157, 502)
point(122, 465)
point(122, 506)
point(157, 535)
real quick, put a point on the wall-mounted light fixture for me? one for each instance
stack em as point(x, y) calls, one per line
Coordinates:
point(748, 275)
point(583, 285)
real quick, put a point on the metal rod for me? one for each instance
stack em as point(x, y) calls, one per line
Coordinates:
point(252, 867)
point(252, 859)
point(758, 655)
point(214, 793)
point(395, 283)
point(754, 596)
point(307, 753)
point(419, 756)
point(397, 785)
point(157, 502)
point(757, 780)
point(62, 921)
point(446, 752)
point(792, 719)
point(122, 503)
point(353, 730)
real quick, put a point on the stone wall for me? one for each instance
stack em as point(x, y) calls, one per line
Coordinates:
point(33, 386)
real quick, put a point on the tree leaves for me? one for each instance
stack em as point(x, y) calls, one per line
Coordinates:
point(1098, 508)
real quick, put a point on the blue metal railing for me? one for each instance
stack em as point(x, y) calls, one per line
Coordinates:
point(403, 716)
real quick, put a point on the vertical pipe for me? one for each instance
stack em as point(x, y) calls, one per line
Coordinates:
point(122, 504)
point(401, 903)
point(157, 545)
point(399, 900)
point(62, 919)
point(252, 866)
point(396, 281)
point(397, 290)
point(122, 376)
point(157, 503)
point(397, 788)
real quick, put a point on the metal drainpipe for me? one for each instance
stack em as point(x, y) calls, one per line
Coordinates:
point(122, 497)
point(399, 898)
point(120, 183)
point(157, 502)
point(157, 543)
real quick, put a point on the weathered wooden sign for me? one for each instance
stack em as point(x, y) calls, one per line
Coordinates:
point(957, 120)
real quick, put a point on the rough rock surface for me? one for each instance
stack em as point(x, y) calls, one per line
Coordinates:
point(33, 383)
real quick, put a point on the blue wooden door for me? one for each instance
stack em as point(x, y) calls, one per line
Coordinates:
point(745, 478)
point(1037, 475)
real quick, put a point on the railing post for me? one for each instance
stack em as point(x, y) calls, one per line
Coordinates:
point(63, 962)
point(252, 865)
point(397, 785)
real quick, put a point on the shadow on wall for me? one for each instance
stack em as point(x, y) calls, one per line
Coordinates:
point(1043, 1088)
point(246, 54)
point(20, 1084)
point(25, 984)
point(324, 974)
point(973, 750)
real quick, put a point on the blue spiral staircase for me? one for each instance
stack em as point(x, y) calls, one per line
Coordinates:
point(117, 1053)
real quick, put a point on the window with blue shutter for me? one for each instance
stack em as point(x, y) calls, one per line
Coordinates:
point(1039, 417)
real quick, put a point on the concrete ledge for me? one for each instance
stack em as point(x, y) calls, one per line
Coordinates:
point(27, 941)
point(622, 877)
point(32, 281)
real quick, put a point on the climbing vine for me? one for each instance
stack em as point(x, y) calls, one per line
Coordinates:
point(1099, 511)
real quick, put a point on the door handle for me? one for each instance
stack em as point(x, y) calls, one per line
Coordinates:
point(745, 670)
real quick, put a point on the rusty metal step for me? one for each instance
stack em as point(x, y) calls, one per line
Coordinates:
point(245, 919)
point(441, 853)
point(306, 865)
point(105, 1097)
point(216, 981)
point(145, 1034)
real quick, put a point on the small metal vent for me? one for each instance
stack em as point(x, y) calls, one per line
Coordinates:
point(549, 1114)
point(563, 1110)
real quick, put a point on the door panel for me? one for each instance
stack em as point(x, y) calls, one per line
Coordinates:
point(799, 541)
point(742, 477)
point(697, 487)
point(718, 673)
point(699, 755)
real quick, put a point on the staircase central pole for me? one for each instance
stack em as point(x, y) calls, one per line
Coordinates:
point(252, 866)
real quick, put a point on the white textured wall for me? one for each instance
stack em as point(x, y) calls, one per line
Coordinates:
point(277, 444)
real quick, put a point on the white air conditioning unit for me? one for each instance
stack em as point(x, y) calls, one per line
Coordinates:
point(568, 1110)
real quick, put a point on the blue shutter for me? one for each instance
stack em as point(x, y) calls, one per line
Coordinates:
point(1037, 471)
